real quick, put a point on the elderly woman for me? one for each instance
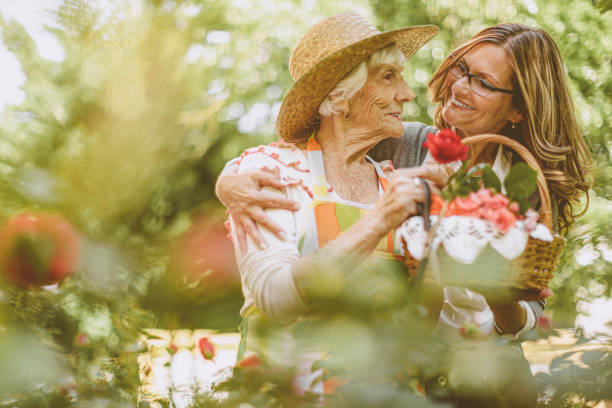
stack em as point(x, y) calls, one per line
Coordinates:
point(347, 97)
point(508, 79)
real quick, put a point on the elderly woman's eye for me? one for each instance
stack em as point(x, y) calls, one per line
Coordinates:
point(389, 75)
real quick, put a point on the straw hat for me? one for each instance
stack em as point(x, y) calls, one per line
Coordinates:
point(326, 54)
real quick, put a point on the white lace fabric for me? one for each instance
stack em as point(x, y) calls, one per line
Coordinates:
point(464, 238)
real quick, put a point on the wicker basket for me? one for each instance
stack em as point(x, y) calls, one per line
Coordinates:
point(533, 269)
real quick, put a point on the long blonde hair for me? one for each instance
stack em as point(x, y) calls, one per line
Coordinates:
point(549, 128)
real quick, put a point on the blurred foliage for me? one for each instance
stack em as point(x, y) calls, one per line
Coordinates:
point(127, 133)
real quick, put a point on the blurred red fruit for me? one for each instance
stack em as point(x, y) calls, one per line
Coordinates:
point(206, 348)
point(38, 249)
point(204, 253)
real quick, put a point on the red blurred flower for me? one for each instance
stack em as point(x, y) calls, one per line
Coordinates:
point(445, 146)
point(251, 361)
point(436, 204)
point(206, 348)
point(172, 349)
point(332, 384)
point(544, 323)
point(82, 339)
point(38, 249)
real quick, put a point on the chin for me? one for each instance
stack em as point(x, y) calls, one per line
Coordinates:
point(396, 132)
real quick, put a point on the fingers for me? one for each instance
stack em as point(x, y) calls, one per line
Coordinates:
point(260, 217)
point(434, 172)
point(267, 199)
point(252, 231)
point(242, 238)
point(271, 177)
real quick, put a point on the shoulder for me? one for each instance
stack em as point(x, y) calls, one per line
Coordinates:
point(287, 158)
point(417, 130)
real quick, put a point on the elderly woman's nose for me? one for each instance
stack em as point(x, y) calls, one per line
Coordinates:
point(405, 93)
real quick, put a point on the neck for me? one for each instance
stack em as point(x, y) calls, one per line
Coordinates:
point(344, 145)
point(479, 153)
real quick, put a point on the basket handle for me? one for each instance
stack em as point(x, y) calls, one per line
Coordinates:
point(546, 209)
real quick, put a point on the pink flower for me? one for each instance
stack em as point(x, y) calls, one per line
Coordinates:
point(504, 219)
point(514, 207)
point(497, 201)
point(469, 203)
point(484, 194)
point(531, 219)
point(445, 146)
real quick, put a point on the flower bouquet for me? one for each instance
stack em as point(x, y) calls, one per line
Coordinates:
point(484, 232)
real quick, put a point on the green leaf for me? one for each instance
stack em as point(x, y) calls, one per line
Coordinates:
point(603, 5)
point(593, 356)
point(524, 205)
point(521, 182)
point(490, 179)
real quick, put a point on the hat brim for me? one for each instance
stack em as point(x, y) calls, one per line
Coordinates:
point(301, 103)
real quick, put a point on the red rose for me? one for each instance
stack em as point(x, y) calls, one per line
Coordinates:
point(250, 362)
point(206, 348)
point(445, 146)
point(38, 249)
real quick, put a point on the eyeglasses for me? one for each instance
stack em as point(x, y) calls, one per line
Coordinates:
point(477, 84)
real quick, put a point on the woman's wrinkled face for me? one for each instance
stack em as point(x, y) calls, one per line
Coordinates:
point(377, 107)
point(473, 114)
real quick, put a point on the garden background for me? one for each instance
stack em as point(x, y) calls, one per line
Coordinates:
point(119, 116)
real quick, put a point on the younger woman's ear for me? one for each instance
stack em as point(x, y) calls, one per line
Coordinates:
point(517, 117)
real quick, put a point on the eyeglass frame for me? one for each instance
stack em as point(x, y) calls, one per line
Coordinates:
point(466, 72)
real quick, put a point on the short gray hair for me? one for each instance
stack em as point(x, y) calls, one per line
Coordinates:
point(354, 81)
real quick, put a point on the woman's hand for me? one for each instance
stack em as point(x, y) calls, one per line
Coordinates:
point(243, 197)
point(437, 173)
point(508, 313)
point(401, 197)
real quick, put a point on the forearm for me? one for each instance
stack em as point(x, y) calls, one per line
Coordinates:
point(342, 254)
point(509, 317)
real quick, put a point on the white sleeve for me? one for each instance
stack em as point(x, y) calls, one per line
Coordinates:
point(267, 273)
point(268, 276)
point(230, 168)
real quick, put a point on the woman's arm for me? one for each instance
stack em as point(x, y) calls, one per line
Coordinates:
point(245, 197)
point(514, 310)
point(280, 281)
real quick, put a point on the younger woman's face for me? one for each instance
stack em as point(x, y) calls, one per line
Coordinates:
point(470, 113)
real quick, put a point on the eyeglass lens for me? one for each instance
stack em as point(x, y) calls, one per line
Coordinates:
point(476, 83)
